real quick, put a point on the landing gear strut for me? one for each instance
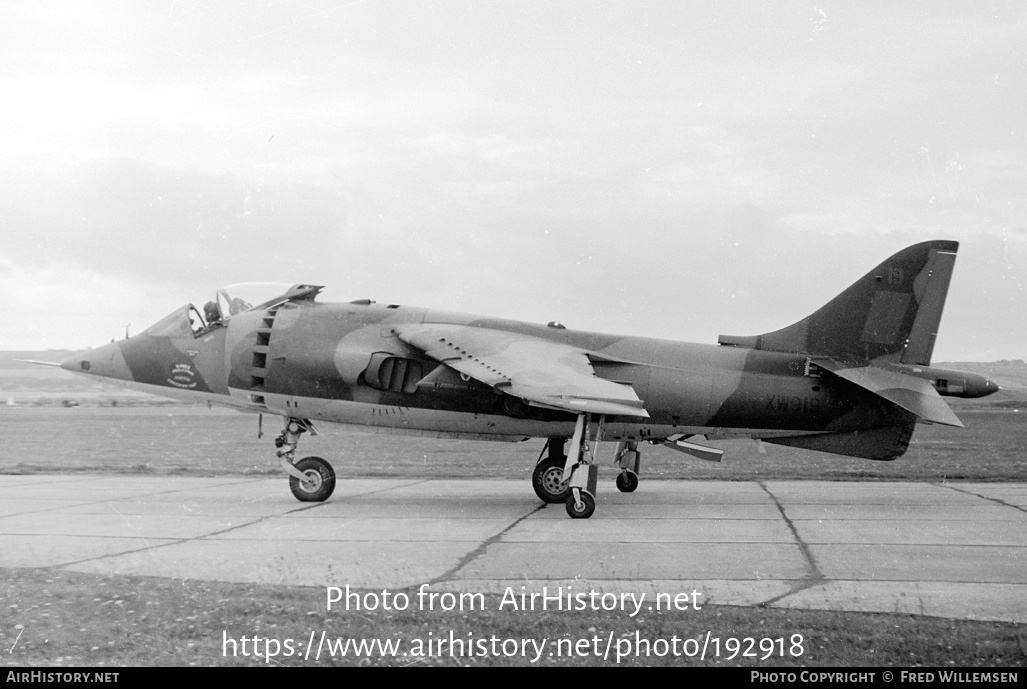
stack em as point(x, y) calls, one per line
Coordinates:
point(579, 466)
point(311, 479)
point(628, 460)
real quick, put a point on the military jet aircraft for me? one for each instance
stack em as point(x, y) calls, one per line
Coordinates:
point(853, 378)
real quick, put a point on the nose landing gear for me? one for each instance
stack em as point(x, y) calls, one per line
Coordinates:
point(311, 479)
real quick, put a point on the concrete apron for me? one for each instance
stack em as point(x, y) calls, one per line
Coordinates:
point(941, 549)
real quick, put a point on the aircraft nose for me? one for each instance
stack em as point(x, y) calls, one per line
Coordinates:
point(105, 362)
point(990, 386)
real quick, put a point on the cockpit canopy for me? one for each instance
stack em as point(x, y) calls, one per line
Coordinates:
point(243, 296)
point(229, 301)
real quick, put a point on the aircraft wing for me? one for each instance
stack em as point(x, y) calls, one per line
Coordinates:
point(915, 395)
point(545, 373)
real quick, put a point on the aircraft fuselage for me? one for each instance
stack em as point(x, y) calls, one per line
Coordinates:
point(342, 362)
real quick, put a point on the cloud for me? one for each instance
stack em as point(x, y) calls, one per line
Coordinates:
point(140, 220)
point(669, 169)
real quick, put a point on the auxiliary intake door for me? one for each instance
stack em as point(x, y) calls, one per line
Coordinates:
point(246, 355)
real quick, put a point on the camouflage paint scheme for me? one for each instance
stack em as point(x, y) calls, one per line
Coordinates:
point(852, 378)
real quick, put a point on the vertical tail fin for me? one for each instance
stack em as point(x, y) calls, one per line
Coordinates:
point(891, 313)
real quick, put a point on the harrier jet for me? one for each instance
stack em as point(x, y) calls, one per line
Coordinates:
point(854, 378)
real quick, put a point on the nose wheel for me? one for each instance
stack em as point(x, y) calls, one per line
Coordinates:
point(318, 480)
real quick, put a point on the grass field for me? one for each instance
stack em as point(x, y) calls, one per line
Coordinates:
point(215, 442)
point(84, 620)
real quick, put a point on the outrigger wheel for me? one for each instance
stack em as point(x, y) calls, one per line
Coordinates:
point(319, 483)
point(627, 481)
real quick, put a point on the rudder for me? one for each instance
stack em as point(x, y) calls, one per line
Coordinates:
point(890, 314)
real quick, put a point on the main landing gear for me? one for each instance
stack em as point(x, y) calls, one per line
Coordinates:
point(549, 479)
point(311, 479)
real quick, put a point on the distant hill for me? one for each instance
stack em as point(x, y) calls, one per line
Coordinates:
point(30, 384)
point(9, 359)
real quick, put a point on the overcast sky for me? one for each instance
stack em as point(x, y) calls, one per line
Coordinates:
point(672, 169)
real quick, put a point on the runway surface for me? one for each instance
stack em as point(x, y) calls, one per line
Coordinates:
point(950, 550)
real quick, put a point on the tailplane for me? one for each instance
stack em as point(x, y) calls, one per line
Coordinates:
point(891, 314)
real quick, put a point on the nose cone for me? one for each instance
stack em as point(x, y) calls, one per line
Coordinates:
point(990, 387)
point(106, 362)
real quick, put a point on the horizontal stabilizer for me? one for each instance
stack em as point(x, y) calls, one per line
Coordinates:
point(915, 395)
point(710, 454)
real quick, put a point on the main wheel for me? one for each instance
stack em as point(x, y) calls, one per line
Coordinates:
point(548, 482)
point(320, 481)
point(627, 481)
point(588, 506)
